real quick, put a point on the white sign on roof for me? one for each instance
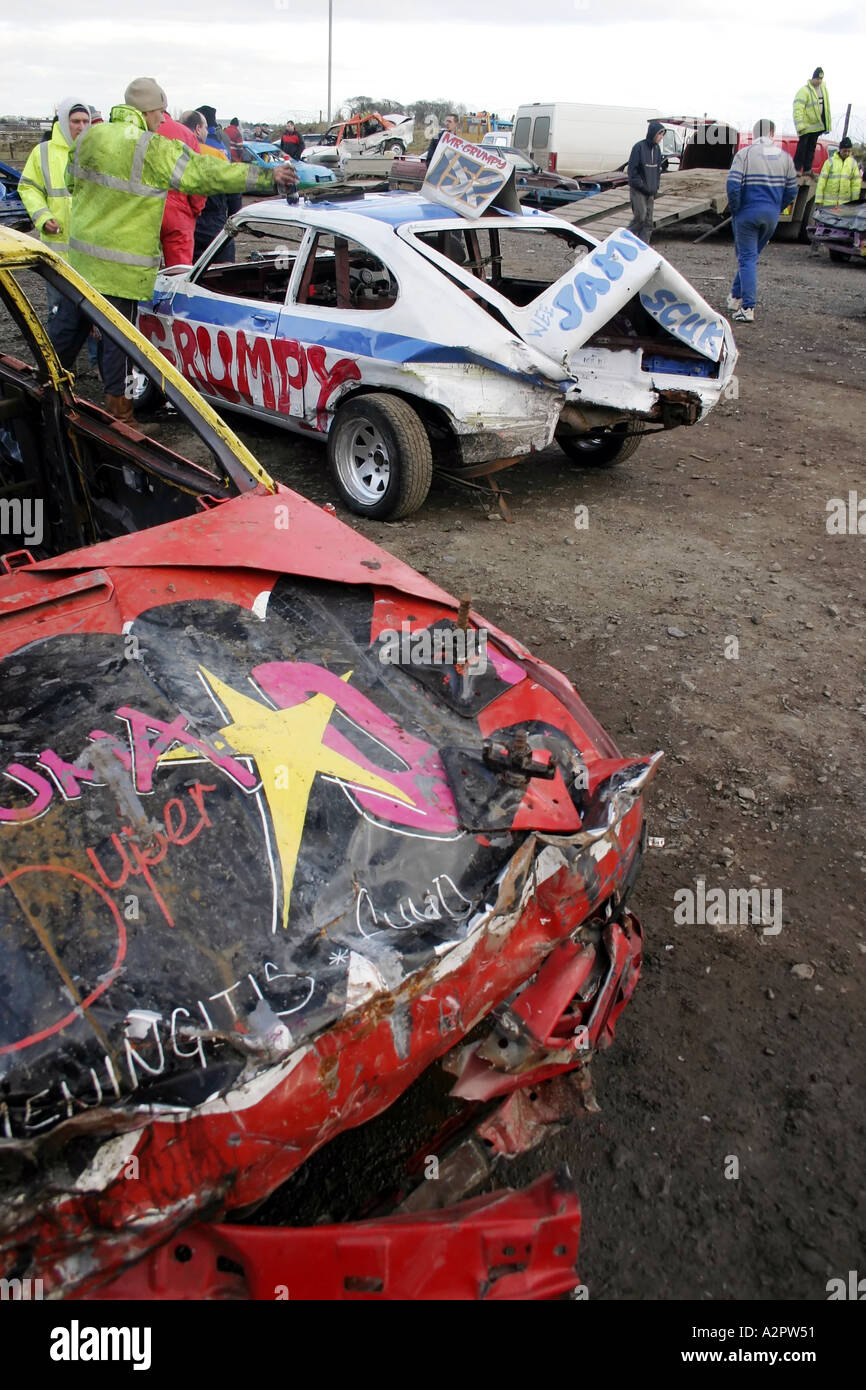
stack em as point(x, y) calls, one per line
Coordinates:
point(469, 179)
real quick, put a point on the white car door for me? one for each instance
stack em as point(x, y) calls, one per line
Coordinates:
point(220, 323)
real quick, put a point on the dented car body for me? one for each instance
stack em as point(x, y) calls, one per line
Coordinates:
point(256, 877)
point(495, 336)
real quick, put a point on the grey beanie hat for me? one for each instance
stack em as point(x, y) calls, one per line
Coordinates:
point(145, 94)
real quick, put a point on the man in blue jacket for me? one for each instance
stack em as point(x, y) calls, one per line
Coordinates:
point(644, 175)
point(762, 182)
point(219, 206)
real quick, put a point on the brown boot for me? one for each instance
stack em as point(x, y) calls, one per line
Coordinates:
point(121, 408)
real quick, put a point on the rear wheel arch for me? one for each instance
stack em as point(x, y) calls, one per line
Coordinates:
point(436, 419)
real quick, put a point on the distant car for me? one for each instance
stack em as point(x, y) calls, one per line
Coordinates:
point(399, 332)
point(410, 171)
point(370, 134)
point(264, 153)
point(13, 213)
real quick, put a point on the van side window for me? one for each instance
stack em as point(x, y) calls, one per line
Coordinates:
point(541, 132)
point(521, 133)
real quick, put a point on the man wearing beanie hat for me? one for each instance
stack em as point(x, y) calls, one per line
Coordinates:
point(812, 118)
point(840, 178)
point(119, 176)
point(219, 206)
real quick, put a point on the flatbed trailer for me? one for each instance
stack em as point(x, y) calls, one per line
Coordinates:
point(683, 197)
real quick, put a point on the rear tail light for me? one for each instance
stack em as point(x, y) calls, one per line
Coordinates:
point(551, 162)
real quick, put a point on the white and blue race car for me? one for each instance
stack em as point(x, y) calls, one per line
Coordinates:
point(407, 336)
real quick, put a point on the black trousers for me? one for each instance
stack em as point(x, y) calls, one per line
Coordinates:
point(114, 362)
point(805, 152)
point(67, 326)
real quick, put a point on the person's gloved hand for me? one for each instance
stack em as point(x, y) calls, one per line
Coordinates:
point(285, 177)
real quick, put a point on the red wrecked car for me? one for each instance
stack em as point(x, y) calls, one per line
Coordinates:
point(282, 825)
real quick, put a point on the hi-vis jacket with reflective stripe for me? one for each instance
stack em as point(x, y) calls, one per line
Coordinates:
point(839, 181)
point(42, 189)
point(119, 176)
point(807, 109)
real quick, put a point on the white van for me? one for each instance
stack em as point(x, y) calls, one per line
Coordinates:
point(566, 137)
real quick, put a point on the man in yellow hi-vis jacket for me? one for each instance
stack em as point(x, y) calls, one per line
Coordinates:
point(812, 118)
point(42, 186)
point(840, 178)
point(43, 192)
point(119, 176)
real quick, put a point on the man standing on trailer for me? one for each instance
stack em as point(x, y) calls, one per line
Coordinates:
point(812, 118)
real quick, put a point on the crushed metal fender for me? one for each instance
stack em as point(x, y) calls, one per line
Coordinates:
point(504, 1246)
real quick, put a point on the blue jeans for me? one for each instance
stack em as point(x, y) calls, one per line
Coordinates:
point(752, 231)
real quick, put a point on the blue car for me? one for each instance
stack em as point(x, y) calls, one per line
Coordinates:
point(261, 152)
point(12, 211)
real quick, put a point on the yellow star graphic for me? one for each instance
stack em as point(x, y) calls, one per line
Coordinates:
point(288, 747)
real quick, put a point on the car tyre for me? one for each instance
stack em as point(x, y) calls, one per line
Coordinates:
point(394, 147)
point(380, 456)
point(145, 396)
point(603, 448)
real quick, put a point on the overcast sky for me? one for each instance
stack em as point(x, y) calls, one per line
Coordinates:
point(268, 59)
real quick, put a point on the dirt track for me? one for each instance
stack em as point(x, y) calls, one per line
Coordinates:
point(717, 532)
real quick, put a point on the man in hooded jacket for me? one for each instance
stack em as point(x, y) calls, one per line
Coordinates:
point(644, 176)
point(42, 186)
point(43, 191)
point(119, 176)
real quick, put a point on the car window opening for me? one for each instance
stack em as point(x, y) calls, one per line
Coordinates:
point(342, 274)
point(264, 259)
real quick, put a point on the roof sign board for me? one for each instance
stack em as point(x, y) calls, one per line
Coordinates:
point(470, 179)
